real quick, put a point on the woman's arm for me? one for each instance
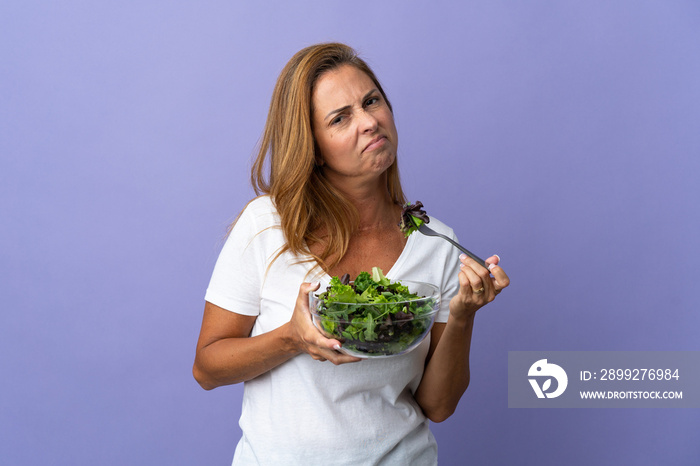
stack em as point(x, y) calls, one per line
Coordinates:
point(227, 354)
point(446, 375)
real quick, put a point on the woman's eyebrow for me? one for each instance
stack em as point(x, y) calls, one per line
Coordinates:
point(342, 109)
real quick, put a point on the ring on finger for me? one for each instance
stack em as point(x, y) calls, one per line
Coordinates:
point(479, 291)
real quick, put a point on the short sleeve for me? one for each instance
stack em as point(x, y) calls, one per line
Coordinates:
point(237, 278)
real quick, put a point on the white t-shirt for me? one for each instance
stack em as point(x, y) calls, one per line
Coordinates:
point(309, 412)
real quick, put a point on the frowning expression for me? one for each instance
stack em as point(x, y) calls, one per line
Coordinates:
point(353, 126)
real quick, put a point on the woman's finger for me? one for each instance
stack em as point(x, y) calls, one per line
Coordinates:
point(334, 356)
point(499, 280)
point(475, 283)
point(303, 296)
point(482, 273)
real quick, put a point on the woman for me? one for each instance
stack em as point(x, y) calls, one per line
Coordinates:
point(331, 203)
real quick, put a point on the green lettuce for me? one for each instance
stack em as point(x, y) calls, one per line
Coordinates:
point(373, 315)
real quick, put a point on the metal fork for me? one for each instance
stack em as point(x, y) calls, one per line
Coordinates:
point(427, 231)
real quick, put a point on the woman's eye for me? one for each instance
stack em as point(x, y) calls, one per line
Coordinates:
point(372, 101)
point(338, 119)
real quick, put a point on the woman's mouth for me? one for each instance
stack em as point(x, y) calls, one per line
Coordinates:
point(375, 143)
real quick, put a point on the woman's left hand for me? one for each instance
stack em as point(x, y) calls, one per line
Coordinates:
point(477, 286)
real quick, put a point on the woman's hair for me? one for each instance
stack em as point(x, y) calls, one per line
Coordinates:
point(310, 208)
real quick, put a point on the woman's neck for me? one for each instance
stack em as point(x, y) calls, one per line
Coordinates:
point(374, 205)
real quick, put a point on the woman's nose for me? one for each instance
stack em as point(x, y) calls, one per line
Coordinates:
point(368, 122)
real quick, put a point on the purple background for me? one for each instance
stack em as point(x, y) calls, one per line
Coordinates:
point(563, 136)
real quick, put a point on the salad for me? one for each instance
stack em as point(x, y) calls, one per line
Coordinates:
point(412, 217)
point(374, 316)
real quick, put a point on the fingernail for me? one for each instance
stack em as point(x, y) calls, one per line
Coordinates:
point(462, 257)
point(336, 347)
point(315, 284)
point(491, 266)
point(499, 257)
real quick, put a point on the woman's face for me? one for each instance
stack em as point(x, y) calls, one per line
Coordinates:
point(353, 126)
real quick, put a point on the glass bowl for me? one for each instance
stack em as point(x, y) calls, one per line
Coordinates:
point(378, 330)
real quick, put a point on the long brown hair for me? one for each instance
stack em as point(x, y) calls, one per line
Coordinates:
point(286, 167)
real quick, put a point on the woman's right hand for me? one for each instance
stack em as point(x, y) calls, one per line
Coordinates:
point(307, 337)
